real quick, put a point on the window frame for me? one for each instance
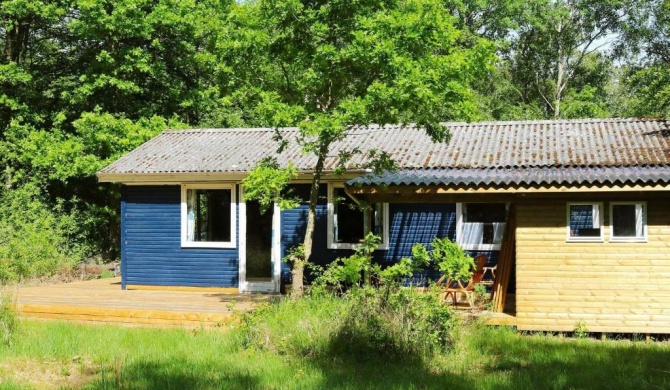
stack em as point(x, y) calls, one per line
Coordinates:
point(460, 207)
point(644, 237)
point(601, 220)
point(233, 217)
point(331, 244)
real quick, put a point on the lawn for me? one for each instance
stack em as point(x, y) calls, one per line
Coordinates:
point(66, 355)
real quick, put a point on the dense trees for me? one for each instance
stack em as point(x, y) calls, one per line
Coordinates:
point(82, 82)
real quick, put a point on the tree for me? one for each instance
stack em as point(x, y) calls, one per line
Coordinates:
point(338, 63)
point(645, 48)
point(82, 82)
point(555, 43)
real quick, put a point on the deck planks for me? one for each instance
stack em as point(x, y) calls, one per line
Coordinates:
point(103, 301)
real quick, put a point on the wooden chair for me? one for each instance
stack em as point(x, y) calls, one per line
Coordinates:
point(456, 287)
point(492, 271)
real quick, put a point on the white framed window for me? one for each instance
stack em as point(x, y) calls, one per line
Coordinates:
point(584, 222)
point(628, 222)
point(208, 215)
point(349, 222)
point(480, 226)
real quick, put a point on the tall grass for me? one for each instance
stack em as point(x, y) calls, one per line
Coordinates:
point(364, 322)
point(8, 320)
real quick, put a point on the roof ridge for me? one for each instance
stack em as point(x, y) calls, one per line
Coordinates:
point(230, 130)
point(413, 126)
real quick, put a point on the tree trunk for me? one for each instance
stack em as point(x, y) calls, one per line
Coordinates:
point(559, 74)
point(299, 265)
point(16, 40)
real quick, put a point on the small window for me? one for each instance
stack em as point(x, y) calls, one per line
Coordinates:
point(585, 222)
point(208, 217)
point(629, 222)
point(481, 225)
point(349, 222)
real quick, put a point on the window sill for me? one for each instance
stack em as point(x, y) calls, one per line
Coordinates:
point(591, 240)
point(348, 246)
point(629, 240)
point(481, 247)
point(208, 245)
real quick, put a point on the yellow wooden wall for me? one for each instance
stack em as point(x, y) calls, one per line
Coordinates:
point(610, 287)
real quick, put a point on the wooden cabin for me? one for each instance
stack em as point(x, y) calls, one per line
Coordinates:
point(575, 213)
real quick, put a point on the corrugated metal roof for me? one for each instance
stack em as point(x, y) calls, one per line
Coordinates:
point(484, 145)
point(532, 176)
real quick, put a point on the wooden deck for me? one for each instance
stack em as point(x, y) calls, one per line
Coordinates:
point(103, 301)
point(506, 317)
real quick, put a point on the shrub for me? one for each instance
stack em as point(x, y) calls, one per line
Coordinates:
point(34, 239)
point(364, 322)
point(350, 271)
point(396, 323)
point(301, 326)
point(451, 259)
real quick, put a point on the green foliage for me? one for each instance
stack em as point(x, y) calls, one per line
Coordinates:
point(348, 271)
point(451, 259)
point(36, 240)
point(481, 297)
point(295, 256)
point(266, 182)
point(400, 323)
point(581, 330)
point(8, 319)
point(365, 322)
point(293, 327)
point(406, 267)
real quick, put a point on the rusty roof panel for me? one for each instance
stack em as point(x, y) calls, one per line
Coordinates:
point(492, 145)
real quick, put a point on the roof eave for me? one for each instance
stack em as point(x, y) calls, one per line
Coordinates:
point(200, 177)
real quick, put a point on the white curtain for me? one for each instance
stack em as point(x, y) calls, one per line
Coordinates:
point(498, 232)
point(639, 217)
point(473, 233)
point(596, 216)
point(190, 221)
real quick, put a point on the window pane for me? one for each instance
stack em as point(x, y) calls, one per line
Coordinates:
point(348, 222)
point(208, 217)
point(625, 220)
point(376, 215)
point(485, 212)
point(584, 221)
point(483, 223)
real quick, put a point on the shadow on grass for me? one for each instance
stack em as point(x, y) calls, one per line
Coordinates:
point(173, 374)
point(523, 363)
point(526, 362)
point(321, 373)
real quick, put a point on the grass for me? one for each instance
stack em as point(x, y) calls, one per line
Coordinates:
point(296, 356)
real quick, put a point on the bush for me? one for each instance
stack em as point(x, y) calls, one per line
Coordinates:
point(364, 322)
point(301, 326)
point(452, 260)
point(397, 323)
point(35, 240)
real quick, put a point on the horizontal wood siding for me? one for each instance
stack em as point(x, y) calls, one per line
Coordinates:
point(610, 287)
point(151, 244)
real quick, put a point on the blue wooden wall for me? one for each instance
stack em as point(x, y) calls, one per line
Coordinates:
point(409, 224)
point(151, 244)
point(152, 253)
